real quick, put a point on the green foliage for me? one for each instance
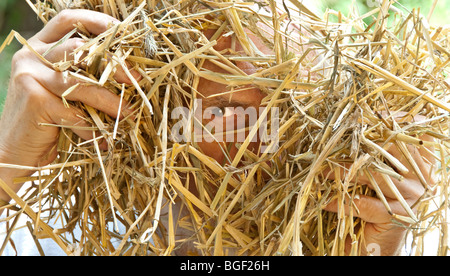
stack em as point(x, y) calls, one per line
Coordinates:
point(5, 68)
point(5, 3)
point(10, 18)
point(10, 15)
point(439, 14)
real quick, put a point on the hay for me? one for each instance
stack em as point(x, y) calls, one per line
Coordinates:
point(338, 87)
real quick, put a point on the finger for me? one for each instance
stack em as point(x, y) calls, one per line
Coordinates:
point(369, 209)
point(409, 188)
point(67, 117)
point(95, 96)
point(121, 77)
point(66, 52)
point(430, 161)
point(41, 114)
point(363, 177)
point(411, 157)
point(422, 155)
point(95, 22)
point(63, 52)
point(426, 160)
point(72, 118)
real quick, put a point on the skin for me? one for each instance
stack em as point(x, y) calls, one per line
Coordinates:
point(212, 95)
point(34, 98)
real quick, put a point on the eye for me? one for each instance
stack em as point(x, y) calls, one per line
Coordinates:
point(222, 111)
point(218, 111)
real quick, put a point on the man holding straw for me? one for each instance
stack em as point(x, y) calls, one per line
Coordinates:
point(34, 102)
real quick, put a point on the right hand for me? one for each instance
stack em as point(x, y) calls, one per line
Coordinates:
point(34, 95)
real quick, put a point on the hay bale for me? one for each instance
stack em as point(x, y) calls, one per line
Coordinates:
point(337, 87)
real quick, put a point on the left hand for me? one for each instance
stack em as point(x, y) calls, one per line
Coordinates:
point(381, 233)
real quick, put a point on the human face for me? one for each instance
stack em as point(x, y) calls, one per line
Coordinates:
point(226, 106)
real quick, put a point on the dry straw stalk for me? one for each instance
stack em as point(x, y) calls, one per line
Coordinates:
point(346, 91)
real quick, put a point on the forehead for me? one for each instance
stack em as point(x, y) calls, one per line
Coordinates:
point(230, 45)
point(231, 41)
point(213, 92)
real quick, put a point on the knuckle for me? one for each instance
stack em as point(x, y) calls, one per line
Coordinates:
point(77, 90)
point(26, 88)
point(66, 50)
point(415, 191)
point(30, 98)
point(36, 97)
point(64, 17)
point(19, 57)
point(73, 44)
point(76, 43)
point(22, 77)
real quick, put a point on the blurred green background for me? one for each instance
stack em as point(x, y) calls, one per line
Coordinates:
point(17, 15)
point(440, 13)
point(14, 15)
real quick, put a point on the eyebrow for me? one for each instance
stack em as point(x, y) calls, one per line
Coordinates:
point(224, 100)
point(220, 101)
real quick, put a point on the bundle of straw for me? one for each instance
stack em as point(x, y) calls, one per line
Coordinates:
point(337, 86)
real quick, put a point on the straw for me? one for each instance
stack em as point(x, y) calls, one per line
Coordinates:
point(347, 92)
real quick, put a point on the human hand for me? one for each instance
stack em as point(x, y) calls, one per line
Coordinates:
point(384, 233)
point(34, 95)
